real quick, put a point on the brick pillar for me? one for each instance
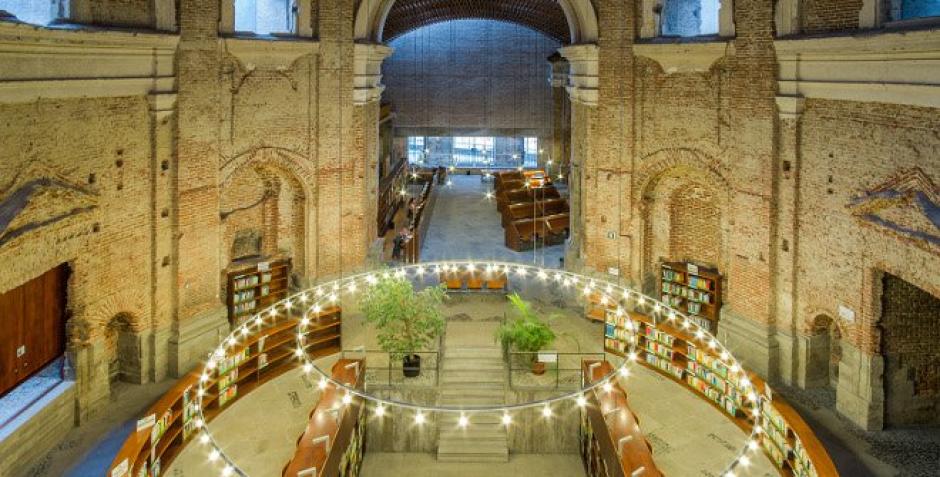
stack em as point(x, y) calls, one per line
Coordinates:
point(200, 314)
point(270, 218)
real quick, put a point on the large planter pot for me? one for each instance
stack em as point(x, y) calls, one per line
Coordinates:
point(411, 365)
point(538, 368)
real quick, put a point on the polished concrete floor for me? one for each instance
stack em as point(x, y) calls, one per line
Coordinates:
point(466, 225)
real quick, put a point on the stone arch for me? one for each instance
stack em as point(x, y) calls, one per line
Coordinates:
point(371, 16)
point(267, 194)
point(824, 343)
point(665, 184)
point(121, 350)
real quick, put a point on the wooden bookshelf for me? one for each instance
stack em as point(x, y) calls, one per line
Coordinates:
point(341, 453)
point(612, 444)
point(248, 365)
point(694, 290)
point(677, 354)
point(254, 285)
point(390, 198)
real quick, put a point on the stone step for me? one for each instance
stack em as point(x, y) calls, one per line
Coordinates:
point(465, 353)
point(450, 419)
point(477, 376)
point(496, 399)
point(472, 452)
point(472, 364)
point(495, 434)
point(470, 458)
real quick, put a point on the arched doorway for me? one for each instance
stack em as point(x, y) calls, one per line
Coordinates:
point(121, 351)
point(825, 353)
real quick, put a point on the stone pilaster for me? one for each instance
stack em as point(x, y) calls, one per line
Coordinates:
point(860, 394)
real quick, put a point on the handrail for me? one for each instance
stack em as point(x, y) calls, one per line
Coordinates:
point(389, 368)
point(556, 369)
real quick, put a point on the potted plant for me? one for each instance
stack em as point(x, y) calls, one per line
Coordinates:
point(407, 321)
point(525, 333)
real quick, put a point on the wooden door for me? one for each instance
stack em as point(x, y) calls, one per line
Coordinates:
point(32, 326)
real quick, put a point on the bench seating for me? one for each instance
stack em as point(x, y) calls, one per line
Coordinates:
point(475, 281)
point(528, 210)
point(523, 234)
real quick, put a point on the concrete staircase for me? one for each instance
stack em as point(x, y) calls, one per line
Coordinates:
point(472, 376)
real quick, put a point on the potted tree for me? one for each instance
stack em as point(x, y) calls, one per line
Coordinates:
point(526, 332)
point(407, 321)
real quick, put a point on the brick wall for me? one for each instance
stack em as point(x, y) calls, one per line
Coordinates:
point(821, 16)
point(695, 225)
point(910, 326)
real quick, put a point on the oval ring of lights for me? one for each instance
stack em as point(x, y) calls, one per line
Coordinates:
point(311, 301)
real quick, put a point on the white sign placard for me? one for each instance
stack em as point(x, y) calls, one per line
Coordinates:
point(693, 269)
point(264, 266)
point(146, 422)
point(121, 468)
point(613, 271)
point(311, 472)
point(847, 314)
point(548, 357)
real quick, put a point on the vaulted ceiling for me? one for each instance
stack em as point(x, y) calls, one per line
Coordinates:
point(545, 16)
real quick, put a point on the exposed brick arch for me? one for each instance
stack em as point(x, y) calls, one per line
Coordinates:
point(683, 215)
point(293, 164)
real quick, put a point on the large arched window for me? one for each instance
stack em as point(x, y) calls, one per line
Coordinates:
point(36, 12)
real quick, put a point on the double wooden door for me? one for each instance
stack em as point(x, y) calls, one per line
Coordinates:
point(32, 326)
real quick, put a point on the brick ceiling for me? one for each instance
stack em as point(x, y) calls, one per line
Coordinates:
point(545, 16)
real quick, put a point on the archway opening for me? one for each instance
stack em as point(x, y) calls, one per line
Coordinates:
point(825, 353)
point(122, 351)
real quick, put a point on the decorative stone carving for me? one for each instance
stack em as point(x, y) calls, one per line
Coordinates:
point(907, 205)
point(583, 79)
point(38, 198)
point(685, 57)
point(367, 72)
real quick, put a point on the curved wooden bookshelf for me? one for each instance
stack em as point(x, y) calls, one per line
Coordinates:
point(612, 446)
point(677, 354)
point(255, 361)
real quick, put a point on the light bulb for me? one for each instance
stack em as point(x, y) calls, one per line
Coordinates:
point(463, 421)
point(204, 438)
point(752, 445)
point(227, 471)
point(380, 410)
point(308, 367)
point(347, 398)
point(745, 461)
point(507, 419)
point(419, 418)
point(624, 372)
point(608, 387)
point(582, 401)
point(322, 383)
point(213, 455)
point(546, 411)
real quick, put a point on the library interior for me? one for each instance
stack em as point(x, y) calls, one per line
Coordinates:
point(469, 238)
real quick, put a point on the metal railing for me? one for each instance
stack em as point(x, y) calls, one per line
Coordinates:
point(562, 370)
point(384, 369)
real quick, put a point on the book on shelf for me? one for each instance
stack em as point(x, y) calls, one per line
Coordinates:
point(155, 469)
point(262, 360)
point(228, 394)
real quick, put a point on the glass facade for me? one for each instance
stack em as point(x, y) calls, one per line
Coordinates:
point(485, 152)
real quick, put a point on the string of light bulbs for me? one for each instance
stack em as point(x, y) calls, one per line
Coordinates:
point(311, 302)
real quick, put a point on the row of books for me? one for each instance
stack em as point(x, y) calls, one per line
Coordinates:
point(245, 281)
point(657, 335)
point(227, 379)
point(228, 394)
point(716, 381)
point(671, 275)
point(672, 300)
point(247, 307)
point(687, 293)
point(721, 399)
point(664, 364)
point(231, 361)
point(611, 331)
point(659, 349)
point(701, 283)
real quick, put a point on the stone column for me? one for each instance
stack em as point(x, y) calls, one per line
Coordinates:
point(558, 150)
point(794, 347)
point(581, 86)
point(163, 163)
